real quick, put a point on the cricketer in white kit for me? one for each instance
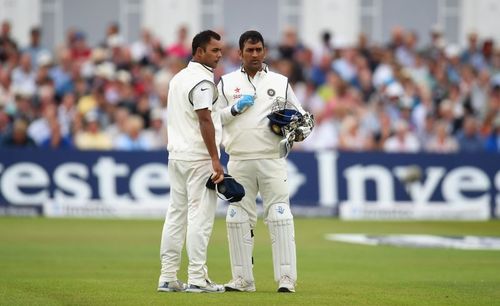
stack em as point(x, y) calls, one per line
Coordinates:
point(194, 135)
point(246, 97)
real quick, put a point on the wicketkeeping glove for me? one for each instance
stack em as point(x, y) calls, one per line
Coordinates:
point(242, 105)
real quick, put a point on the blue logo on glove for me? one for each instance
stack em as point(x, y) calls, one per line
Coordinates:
point(232, 213)
point(280, 210)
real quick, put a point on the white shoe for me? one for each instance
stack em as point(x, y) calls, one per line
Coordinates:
point(173, 286)
point(209, 287)
point(286, 284)
point(240, 285)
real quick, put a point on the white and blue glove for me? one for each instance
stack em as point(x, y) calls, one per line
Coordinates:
point(242, 105)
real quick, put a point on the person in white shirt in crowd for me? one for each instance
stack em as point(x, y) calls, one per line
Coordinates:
point(23, 76)
point(40, 129)
point(194, 135)
point(403, 141)
point(247, 96)
point(66, 112)
point(442, 142)
point(352, 137)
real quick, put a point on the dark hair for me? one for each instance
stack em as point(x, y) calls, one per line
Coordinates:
point(202, 39)
point(252, 36)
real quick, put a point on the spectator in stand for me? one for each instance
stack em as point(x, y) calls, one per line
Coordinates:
point(143, 110)
point(383, 131)
point(288, 49)
point(118, 127)
point(319, 72)
point(19, 138)
point(441, 142)
point(352, 138)
point(80, 50)
point(404, 141)
point(6, 90)
point(397, 38)
point(35, 49)
point(134, 139)
point(93, 137)
point(289, 43)
point(113, 36)
point(434, 50)
point(469, 139)
point(325, 48)
point(473, 54)
point(479, 94)
point(23, 76)
point(66, 113)
point(157, 133)
point(5, 125)
point(142, 49)
point(56, 140)
point(493, 140)
point(406, 53)
point(180, 48)
point(61, 73)
point(39, 130)
point(345, 65)
point(24, 107)
point(8, 46)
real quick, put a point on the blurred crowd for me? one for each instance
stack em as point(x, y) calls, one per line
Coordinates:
point(397, 97)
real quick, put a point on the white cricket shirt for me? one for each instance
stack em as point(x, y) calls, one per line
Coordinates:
point(191, 89)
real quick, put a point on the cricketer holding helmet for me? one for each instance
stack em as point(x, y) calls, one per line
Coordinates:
point(194, 134)
point(246, 97)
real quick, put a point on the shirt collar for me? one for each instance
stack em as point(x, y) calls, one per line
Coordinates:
point(200, 65)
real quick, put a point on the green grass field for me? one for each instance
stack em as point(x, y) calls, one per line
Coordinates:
point(116, 262)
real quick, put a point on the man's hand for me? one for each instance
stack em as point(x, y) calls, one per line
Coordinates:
point(242, 105)
point(218, 174)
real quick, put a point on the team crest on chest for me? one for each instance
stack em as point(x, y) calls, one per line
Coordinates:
point(271, 92)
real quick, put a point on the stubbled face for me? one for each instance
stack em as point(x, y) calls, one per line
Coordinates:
point(252, 56)
point(211, 54)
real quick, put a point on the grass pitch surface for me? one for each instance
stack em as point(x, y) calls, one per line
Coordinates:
point(116, 262)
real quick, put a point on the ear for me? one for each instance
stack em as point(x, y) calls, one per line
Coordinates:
point(240, 53)
point(200, 51)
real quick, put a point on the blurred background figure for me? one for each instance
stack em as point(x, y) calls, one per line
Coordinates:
point(157, 132)
point(92, 137)
point(493, 140)
point(469, 139)
point(181, 47)
point(134, 138)
point(18, 137)
point(441, 141)
point(403, 141)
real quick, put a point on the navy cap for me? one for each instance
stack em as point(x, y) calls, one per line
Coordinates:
point(229, 188)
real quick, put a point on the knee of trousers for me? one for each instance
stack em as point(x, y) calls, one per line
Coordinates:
point(236, 214)
point(279, 212)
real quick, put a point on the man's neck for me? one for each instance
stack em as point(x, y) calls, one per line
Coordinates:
point(251, 73)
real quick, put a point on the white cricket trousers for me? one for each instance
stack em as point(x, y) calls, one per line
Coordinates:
point(190, 217)
point(267, 176)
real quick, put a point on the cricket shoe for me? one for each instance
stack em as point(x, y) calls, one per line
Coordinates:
point(286, 284)
point(173, 286)
point(209, 288)
point(240, 285)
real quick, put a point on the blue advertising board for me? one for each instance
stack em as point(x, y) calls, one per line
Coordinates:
point(354, 185)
